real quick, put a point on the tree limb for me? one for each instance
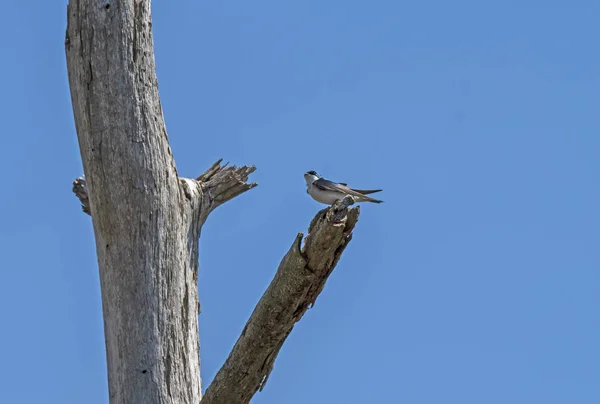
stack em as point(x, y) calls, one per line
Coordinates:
point(299, 280)
point(80, 191)
point(217, 185)
point(221, 183)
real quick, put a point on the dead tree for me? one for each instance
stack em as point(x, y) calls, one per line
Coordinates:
point(147, 223)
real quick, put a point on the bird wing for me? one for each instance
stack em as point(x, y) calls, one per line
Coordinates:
point(326, 185)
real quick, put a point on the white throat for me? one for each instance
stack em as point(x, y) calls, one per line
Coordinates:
point(310, 178)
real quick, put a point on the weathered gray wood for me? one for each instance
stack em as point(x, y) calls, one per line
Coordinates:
point(300, 278)
point(146, 220)
point(218, 183)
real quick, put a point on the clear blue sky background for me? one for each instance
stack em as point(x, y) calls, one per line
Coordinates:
point(476, 282)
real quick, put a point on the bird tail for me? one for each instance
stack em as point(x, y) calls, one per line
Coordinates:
point(368, 199)
point(367, 191)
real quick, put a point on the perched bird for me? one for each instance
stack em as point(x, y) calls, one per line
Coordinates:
point(327, 192)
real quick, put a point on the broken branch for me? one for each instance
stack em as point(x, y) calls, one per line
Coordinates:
point(220, 183)
point(299, 280)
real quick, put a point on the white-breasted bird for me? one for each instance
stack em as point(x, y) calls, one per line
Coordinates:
point(328, 192)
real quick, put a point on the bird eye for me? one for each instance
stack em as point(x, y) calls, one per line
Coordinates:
point(312, 172)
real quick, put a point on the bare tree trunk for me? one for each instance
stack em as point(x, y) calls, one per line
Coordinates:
point(147, 223)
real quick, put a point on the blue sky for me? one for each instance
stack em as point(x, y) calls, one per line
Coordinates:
point(476, 282)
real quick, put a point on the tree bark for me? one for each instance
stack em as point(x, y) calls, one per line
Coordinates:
point(300, 278)
point(147, 223)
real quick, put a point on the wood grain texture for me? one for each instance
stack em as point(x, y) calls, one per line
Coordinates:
point(145, 226)
point(146, 220)
point(300, 278)
point(147, 223)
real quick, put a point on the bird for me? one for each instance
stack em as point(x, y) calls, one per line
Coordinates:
point(328, 192)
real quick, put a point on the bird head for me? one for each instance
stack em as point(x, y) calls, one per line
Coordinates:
point(310, 177)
